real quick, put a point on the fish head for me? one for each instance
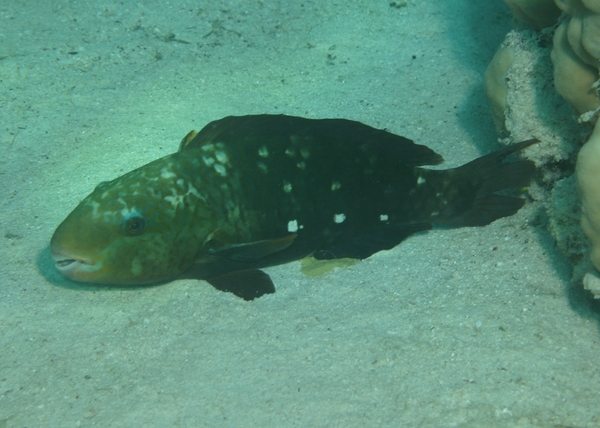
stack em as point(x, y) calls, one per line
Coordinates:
point(136, 229)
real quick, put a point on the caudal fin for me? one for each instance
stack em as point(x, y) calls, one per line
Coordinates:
point(488, 174)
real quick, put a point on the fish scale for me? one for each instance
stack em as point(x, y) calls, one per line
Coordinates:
point(254, 191)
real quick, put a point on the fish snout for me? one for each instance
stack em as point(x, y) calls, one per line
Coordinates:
point(68, 265)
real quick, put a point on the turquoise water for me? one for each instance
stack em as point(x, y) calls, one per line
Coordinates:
point(467, 327)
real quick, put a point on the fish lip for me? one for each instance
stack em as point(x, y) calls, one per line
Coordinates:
point(67, 264)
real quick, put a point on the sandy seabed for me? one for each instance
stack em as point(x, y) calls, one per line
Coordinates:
point(465, 327)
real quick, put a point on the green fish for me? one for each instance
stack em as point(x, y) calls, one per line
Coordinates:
point(261, 190)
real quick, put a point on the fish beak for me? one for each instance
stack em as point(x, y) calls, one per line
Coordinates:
point(70, 266)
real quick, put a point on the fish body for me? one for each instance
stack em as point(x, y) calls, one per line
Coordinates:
point(255, 191)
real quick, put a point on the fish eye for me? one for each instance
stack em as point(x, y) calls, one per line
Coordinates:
point(133, 225)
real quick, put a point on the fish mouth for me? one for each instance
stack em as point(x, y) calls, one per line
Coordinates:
point(69, 266)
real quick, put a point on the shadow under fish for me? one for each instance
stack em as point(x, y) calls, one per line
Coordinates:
point(254, 191)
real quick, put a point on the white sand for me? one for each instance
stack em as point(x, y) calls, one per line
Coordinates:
point(465, 327)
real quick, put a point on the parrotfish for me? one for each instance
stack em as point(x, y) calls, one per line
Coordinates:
point(254, 191)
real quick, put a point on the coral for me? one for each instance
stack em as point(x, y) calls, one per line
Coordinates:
point(583, 28)
point(531, 106)
point(496, 87)
point(576, 54)
point(538, 13)
point(588, 184)
point(527, 91)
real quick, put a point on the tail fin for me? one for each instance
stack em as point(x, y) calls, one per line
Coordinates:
point(489, 174)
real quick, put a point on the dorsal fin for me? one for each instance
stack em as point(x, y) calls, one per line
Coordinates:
point(187, 139)
point(268, 127)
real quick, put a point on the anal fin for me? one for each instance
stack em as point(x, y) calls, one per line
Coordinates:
point(364, 246)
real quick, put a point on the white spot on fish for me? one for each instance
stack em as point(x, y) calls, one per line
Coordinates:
point(95, 205)
point(339, 218)
point(305, 153)
point(208, 160)
point(221, 170)
point(128, 213)
point(221, 156)
point(208, 147)
point(180, 182)
point(290, 151)
point(166, 173)
point(292, 226)
point(193, 191)
point(233, 211)
point(434, 214)
point(287, 187)
point(136, 267)
point(420, 181)
point(383, 217)
point(335, 185)
point(175, 200)
point(301, 165)
point(262, 167)
point(263, 152)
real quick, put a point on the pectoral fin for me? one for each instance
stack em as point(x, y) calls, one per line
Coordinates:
point(252, 251)
point(247, 284)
